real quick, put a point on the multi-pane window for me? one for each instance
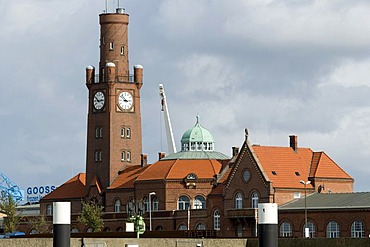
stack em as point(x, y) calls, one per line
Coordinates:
point(117, 206)
point(182, 227)
point(155, 203)
point(130, 206)
point(216, 220)
point(146, 204)
point(285, 229)
point(332, 230)
point(199, 202)
point(311, 227)
point(201, 226)
point(254, 200)
point(238, 201)
point(183, 203)
point(357, 229)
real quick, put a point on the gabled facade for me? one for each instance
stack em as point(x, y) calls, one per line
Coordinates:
point(197, 188)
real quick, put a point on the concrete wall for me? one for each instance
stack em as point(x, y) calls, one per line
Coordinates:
point(173, 242)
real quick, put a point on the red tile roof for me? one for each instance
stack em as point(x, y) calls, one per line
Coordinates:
point(73, 188)
point(179, 169)
point(285, 167)
point(127, 177)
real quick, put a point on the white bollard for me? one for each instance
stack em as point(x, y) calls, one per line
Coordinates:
point(61, 224)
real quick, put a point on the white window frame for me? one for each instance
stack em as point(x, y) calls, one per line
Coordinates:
point(123, 155)
point(238, 201)
point(111, 45)
point(285, 230)
point(183, 204)
point(332, 230)
point(311, 227)
point(216, 220)
point(255, 200)
point(199, 202)
point(117, 206)
point(358, 229)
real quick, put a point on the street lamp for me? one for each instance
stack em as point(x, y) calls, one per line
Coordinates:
point(150, 210)
point(306, 229)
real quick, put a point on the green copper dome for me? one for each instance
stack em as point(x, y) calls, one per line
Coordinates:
point(197, 138)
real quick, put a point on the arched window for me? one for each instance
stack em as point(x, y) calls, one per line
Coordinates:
point(285, 229)
point(33, 231)
point(182, 227)
point(216, 220)
point(159, 228)
point(238, 201)
point(130, 207)
point(332, 230)
point(106, 229)
point(155, 204)
point(74, 230)
point(357, 229)
point(311, 227)
point(184, 203)
point(117, 206)
point(201, 226)
point(255, 200)
point(89, 229)
point(199, 202)
point(146, 204)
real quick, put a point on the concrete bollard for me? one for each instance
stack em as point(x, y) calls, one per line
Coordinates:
point(268, 224)
point(61, 224)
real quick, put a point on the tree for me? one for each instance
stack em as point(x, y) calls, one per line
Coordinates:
point(39, 224)
point(8, 207)
point(91, 216)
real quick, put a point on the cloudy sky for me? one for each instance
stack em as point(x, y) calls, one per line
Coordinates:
point(275, 67)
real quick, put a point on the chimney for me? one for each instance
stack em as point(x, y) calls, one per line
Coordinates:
point(161, 155)
point(294, 142)
point(144, 160)
point(235, 151)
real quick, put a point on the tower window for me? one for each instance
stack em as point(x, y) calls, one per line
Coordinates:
point(98, 156)
point(98, 132)
point(122, 50)
point(111, 46)
point(123, 156)
point(123, 132)
point(128, 156)
point(128, 133)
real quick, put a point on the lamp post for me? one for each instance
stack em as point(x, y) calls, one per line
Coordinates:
point(150, 210)
point(306, 229)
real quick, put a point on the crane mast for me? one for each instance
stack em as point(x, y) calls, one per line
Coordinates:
point(167, 121)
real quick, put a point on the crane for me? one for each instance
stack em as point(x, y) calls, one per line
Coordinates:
point(167, 121)
point(7, 187)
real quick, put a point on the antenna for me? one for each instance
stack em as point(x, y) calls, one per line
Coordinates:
point(106, 6)
point(118, 4)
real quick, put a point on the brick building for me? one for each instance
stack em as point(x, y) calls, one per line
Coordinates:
point(197, 188)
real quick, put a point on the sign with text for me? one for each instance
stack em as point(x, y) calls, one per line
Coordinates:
point(34, 194)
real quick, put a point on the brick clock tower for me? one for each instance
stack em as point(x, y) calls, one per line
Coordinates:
point(114, 138)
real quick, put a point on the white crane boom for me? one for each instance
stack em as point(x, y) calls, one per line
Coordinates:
point(167, 121)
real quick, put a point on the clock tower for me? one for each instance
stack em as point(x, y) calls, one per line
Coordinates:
point(114, 138)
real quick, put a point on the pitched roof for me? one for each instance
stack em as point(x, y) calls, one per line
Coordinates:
point(179, 169)
point(127, 177)
point(331, 201)
point(73, 188)
point(286, 167)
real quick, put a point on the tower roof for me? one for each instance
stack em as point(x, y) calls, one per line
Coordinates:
point(197, 134)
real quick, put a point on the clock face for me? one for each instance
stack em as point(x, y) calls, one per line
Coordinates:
point(125, 100)
point(99, 100)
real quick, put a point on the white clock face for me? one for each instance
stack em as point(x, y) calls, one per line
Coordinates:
point(99, 100)
point(125, 100)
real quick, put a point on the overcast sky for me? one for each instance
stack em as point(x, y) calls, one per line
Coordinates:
point(275, 67)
